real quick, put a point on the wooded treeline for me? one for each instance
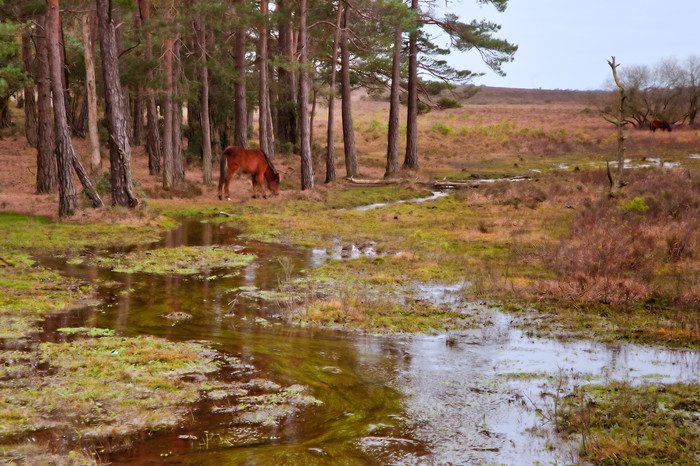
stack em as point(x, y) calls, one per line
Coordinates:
point(121, 72)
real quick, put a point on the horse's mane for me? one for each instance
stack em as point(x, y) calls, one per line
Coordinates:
point(269, 163)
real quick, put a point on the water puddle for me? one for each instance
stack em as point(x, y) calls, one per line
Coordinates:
point(432, 197)
point(467, 397)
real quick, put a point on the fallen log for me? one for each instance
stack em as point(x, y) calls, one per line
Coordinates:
point(445, 184)
point(382, 182)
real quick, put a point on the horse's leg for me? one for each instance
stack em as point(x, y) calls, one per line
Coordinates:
point(261, 181)
point(252, 184)
point(222, 182)
point(232, 169)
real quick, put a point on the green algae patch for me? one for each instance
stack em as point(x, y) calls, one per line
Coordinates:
point(29, 292)
point(87, 331)
point(96, 388)
point(39, 234)
point(185, 260)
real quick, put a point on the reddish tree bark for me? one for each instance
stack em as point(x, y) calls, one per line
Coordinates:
point(46, 175)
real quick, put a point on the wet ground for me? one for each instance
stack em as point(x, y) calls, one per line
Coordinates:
point(480, 396)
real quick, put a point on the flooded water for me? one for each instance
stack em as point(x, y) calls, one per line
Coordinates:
point(463, 398)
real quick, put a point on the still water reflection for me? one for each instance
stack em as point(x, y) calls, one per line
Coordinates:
point(401, 400)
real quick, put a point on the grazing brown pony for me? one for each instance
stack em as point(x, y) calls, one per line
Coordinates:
point(659, 124)
point(251, 161)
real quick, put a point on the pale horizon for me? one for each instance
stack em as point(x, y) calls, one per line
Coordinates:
point(567, 45)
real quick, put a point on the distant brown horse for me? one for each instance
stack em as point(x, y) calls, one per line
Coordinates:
point(659, 124)
point(251, 161)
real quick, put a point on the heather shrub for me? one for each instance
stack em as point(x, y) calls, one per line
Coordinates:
point(446, 102)
point(622, 251)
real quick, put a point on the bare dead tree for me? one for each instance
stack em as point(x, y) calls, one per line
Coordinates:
point(616, 182)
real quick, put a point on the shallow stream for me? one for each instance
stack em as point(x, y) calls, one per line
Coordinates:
point(464, 398)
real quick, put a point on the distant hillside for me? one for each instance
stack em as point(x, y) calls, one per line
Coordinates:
point(506, 95)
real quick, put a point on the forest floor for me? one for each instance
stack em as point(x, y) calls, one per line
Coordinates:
point(554, 249)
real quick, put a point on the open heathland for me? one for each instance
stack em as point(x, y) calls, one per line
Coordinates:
point(530, 229)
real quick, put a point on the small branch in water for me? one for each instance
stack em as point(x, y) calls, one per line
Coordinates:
point(232, 304)
point(225, 213)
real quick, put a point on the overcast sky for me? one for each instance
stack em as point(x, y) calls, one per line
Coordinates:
point(565, 44)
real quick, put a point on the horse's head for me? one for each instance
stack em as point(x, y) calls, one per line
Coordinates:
point(273, 182)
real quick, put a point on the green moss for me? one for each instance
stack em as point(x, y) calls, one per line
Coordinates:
point(21, 232)
point(97, 387)
point(182, 260)
point(621, 424)
point(29, 292)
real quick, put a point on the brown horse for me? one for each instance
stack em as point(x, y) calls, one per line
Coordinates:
point(659, 124)
point(251, 161)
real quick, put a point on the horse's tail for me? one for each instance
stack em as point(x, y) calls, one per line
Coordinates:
point(222, 170)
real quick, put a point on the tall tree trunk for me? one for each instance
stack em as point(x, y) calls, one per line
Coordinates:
point(81, 123)
point(116, 19)
point(168, 180)
point(307, 173)
point(5, 115)
point(287, 116)
point(46, 176)
point(265, 131)
point(152, 131)
point(67, 197)
point(91, 91)
point(178, 152)
point(411, 160)
point(392, 150)
point(351, 168)
point(64, 77)
point(137, 114)
point(117, 122)
point(30, 123)
point(330, 131)
point(200, 26)
point(240, 128)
